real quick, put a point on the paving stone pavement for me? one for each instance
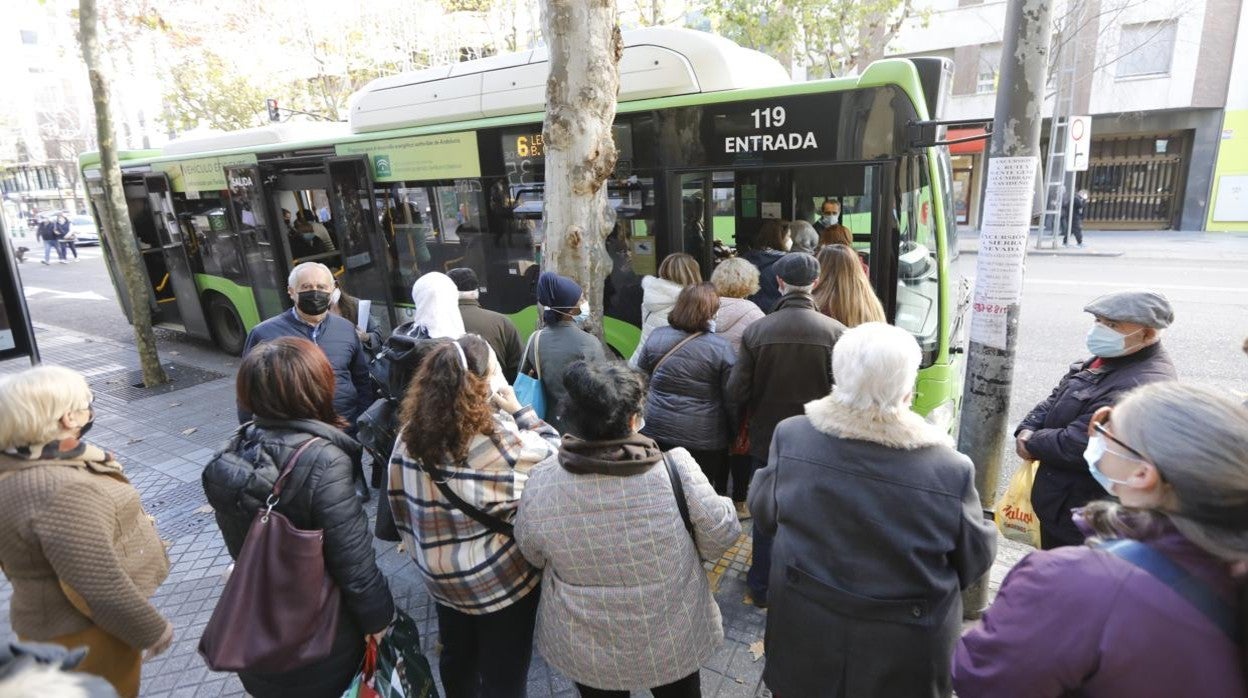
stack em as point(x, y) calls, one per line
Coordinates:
point(164, 437)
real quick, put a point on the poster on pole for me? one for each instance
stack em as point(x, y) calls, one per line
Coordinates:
point(1078, 143)
point(1002, 246)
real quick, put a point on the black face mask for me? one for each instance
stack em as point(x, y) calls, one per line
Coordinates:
point(82, 430)
point(313, 302)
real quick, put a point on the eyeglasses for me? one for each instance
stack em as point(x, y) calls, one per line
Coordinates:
point(1097, 425)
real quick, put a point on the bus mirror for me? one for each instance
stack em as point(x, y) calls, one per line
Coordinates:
point(914, 261)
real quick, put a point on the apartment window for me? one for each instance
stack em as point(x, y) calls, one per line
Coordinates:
point(989, 68)
point(1145, 49)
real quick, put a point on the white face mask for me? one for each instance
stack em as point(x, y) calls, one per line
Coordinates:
point(333, 297)
point(787, 244)
point(585, 308)
point(830, 218)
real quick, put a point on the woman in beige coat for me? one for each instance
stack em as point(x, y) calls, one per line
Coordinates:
point(625, 601)
point(82, 555)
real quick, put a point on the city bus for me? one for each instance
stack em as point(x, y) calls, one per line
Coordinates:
point(443, 168)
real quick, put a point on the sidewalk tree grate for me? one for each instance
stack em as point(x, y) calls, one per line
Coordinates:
point(127, 385)
point(177, 510)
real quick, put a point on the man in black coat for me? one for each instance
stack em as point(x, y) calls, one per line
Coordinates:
point(785, 361)
point(1125, 343)
point(51, 241)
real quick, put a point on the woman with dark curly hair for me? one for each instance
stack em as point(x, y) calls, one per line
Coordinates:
point(627, 604)
point(458, 470)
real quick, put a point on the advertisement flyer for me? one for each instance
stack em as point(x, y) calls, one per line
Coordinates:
point(1002, 247)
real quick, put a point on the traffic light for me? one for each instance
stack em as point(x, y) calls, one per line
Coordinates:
point(274, 115)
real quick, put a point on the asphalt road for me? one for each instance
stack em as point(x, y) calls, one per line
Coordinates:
point(1207, 285)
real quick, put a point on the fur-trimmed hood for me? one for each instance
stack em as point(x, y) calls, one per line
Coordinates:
point(904, 430)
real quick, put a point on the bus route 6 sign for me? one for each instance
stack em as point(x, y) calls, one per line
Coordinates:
point(1078, 143)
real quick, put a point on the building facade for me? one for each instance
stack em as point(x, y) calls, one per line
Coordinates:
point(1154, 76)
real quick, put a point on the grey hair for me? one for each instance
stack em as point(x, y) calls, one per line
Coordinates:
point(472, 295)
point(875, 365)
point(1197, 438)
point(805, 238)
point(300, 268)
point(792, 288)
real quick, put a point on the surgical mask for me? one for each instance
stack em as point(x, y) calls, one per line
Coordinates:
point(641, 423)
point(788, 244)
point(710, 326)
point(1093, 454)
point(829, 218)
point(313, 302)
point(335, 297)
point(1105, 342)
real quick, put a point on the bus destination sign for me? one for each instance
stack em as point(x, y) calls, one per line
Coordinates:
point(782, 130)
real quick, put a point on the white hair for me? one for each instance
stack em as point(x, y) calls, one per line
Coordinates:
point(293, 280)
point(472, 295)
point(788, 288)
point(34, 402)
point(875, 365)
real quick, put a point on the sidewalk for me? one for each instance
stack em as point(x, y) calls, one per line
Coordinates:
point(1137, 244)
point(164, 437)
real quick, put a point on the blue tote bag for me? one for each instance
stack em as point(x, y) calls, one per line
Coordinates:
point(529, 390)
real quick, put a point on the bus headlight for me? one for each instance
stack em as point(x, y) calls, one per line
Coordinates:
point(942, 416)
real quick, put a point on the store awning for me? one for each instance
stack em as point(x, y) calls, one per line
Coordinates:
point(969, 147)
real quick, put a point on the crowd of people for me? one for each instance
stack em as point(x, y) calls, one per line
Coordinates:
point(775, 392)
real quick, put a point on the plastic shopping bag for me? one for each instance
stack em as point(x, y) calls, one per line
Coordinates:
point(395, 667)
point(1015, 518)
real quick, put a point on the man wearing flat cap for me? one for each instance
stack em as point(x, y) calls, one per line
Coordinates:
point(785, 361)
point(1125, 343)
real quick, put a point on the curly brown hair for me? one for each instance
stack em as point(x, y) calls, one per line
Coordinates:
point(446, 405)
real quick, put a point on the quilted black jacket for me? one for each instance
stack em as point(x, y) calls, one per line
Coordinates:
point(319, 494)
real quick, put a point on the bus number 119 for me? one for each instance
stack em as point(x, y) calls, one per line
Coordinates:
point(772, 117)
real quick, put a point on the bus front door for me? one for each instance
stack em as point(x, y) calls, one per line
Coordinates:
point(365, 260)
point(175, 283)
point(262, 254)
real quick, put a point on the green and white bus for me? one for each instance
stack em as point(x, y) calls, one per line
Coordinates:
point(443, 168)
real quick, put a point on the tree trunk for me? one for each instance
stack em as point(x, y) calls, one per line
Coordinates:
point(585, 47)
point(119, 234)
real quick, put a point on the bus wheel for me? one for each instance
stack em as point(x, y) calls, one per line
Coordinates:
point(227, 327)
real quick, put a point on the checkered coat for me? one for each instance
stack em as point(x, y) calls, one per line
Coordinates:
point(625, 601)
point(465, 565)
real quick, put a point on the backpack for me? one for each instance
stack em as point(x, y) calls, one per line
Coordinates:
point(391, 372)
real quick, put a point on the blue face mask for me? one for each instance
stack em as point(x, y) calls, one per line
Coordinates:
point(1092, 454)
point(1107, 343)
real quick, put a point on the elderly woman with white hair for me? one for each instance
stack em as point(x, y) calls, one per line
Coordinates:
point(82, 555)
point(877, 528)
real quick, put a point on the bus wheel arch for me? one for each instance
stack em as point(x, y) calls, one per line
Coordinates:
point(228, 331)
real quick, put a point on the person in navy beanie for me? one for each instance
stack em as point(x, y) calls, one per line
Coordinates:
point(562, 341)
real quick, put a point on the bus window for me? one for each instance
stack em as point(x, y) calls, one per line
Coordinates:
point(307, 235)
point(407, 226)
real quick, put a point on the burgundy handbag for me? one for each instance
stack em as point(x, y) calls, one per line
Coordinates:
point(279, 609)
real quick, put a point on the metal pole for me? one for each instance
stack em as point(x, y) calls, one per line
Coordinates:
point(1012, 165)
point(1070, 206)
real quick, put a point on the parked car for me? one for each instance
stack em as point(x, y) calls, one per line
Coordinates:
point(84, 230)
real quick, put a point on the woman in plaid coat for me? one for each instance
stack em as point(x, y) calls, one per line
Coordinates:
point(625, 601)
point(459, 467)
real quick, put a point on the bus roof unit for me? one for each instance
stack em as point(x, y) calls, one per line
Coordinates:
point(657, 62)
point(271, 134)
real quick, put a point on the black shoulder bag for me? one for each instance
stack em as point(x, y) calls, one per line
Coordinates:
point(491, 522)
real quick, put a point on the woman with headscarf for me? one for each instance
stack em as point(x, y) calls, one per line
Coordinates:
point(877, 528)
point(553, 348)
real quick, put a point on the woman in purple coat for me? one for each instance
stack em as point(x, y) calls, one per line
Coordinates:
point(1153, 605)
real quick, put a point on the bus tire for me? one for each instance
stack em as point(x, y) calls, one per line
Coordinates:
point(227, 327)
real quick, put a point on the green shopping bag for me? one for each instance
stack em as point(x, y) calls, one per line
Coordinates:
point(395, 668)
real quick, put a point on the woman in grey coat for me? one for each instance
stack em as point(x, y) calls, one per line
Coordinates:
point(877, 528)
point(625, 602)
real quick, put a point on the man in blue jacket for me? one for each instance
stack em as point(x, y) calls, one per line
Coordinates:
point(1125, 343)
point(310, 286)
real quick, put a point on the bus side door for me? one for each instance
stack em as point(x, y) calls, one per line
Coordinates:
point(178, 283)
